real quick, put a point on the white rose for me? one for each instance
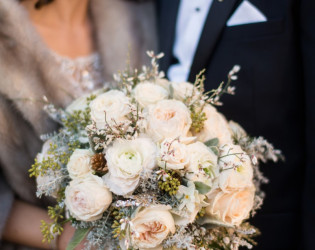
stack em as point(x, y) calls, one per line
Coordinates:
point(202, 163)
point(81, 103)
point(182, 90)
point(149, 93)
point(216, 126)
point(151, 226)
point(236, 168)
point(78, 104)
point(79, 163)
point(87, 198)
point(164, 83)
point(168, 119)
point(126, 160)
point(112, 105)
point(173, 154)
point(230, 208)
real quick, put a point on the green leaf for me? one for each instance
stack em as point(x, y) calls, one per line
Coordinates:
point(202, 188)
point(215, 150)
point(211, 222)
point(78, 236)
point(212, 143)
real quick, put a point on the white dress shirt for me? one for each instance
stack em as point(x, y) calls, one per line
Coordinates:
point(190, 21)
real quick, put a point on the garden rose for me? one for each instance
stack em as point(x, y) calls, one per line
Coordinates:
point(168, 119)
point(183, 90)
point(173, 154)
point(149, 93)
point(79, 163)
point(232, 207)
point(115, 104)
point(151, 226)
point(236, 168)
point(126, 159)
point(87, 198)
point(216, 126)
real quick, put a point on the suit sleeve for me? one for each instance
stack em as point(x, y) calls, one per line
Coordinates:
point(307, 28)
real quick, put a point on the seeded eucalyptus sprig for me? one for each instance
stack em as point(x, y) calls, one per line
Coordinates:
point(169, 182)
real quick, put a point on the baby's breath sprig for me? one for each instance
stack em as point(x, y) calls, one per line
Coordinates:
point(224, 88)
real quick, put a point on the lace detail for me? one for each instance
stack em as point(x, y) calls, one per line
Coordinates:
point(84, 73)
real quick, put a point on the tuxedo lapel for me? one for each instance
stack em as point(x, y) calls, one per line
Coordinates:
point(214, 25)
point(167, 29)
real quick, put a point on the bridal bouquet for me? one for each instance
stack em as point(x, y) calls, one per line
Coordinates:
point(152, 165)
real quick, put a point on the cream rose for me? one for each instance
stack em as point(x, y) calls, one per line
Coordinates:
point(81, 103)
point(151, 226)
point(168, 119)
point(149, 93)
point(173, 154)
point(79, 163)
point(216, 126)
point(112, 105)
point(202, 163)
point(87, 198)
point(230, 208)
point(236, 168)
point(126, 160)
point(183, 90)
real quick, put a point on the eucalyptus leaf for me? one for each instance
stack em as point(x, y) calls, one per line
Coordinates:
point(212, 143)
point(215, 150)
point(201, 187)
point(78, 236)
point(211, 222)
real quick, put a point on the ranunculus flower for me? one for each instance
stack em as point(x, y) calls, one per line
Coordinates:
point(126, 160)
point(151, 226)
point(216, 126)
point(168, 119)
point(173, 154)
point(202, 163)
point(87, 198)
point(236, 168)
point(149, 93)
point(112, 105)
point(232, 207)
point(79, 163)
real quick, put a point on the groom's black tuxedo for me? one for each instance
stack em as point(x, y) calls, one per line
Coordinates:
point(275, 97)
